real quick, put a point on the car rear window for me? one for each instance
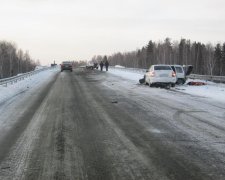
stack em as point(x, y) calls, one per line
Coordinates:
point(162, 67)
point(179, 70)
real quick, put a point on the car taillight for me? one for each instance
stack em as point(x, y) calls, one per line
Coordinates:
point(173, 74)
point(152, 73)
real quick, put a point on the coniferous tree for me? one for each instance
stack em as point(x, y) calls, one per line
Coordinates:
point(223, 60)
point(149, 53)
point(167, 54)
point(182, 51)
point(218, 58)
point(138, 55)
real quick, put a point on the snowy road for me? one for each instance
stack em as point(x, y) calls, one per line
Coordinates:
point(94, 125)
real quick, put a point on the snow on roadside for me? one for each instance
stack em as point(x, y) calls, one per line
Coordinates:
point(118, 66)
point(11, 90)
point(125, 73)
point(211, 90)
point(215, 91)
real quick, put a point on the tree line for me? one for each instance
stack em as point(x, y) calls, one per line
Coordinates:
point(14, 61)
point(206, 59)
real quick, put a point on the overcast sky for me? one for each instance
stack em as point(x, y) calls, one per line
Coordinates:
point(78, 29)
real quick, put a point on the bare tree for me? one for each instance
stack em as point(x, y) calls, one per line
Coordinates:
point(13, 61)
point(218, 60)
point(1, 64)
point(20, 59)
point(223, 60)
point(210, 60)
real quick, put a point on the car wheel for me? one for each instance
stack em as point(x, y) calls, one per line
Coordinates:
point(180, 81)
point(145, 80)
point(150, 84)
point(168, 86)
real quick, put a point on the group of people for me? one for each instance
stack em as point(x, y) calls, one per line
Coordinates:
point(106, 65)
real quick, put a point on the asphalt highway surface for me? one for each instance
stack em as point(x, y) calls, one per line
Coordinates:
point(87, 124)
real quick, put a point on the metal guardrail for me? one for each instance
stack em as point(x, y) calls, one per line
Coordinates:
point(219, 79)
point(14, 79)
point(137, 70)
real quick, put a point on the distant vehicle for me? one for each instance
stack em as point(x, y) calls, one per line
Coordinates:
point(53, 65)
point(66, 65)
point(92, 66)
point(95, 65)
point(160, 75)
point(39, 67)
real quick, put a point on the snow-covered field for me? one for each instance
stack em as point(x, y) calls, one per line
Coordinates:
point(12, 90)
point(214, 91)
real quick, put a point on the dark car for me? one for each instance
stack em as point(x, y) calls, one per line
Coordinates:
point(92, 66)
point(66, 65)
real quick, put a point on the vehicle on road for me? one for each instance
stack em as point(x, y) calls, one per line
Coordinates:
point(92, 66)
point(66, 65)
point(180, 74)
point(160, 75)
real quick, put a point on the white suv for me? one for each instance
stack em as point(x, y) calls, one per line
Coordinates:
point(161, 75)
point(178, 69)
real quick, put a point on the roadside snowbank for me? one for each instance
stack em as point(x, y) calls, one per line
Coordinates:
point(125, 73)
point(215, 91)
point(21, 86)
point(212, 90)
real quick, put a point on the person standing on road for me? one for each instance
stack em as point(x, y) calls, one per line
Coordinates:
point(106, 65)
point(101, 65)
point(106, 62)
